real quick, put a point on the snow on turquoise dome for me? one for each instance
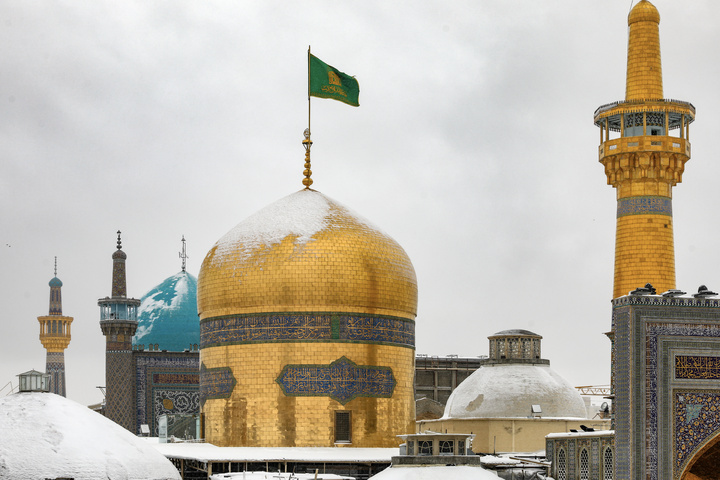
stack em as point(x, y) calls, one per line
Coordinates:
point(168, 315)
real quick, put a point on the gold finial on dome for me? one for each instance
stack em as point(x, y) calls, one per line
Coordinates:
point(307, 143)
point(644, 66)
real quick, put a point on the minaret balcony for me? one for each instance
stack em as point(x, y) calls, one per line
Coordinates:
point(644, 143)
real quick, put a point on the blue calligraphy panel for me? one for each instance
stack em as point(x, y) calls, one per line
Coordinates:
point(342, 380)
point(697, 367)
point(644, 206)
point(215, 383)
point(319, 327)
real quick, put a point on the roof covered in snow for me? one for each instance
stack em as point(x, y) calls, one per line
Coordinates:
point(510, 391)
point(43, 435)
point(168, 315)
point(460, 472)
point(206, 452)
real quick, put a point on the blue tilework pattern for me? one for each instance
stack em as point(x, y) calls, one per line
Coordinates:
point(653, 331)
point(160, 376)
point(320, 327)
point(644, 206)
point(697, 418)
point(216, 383)
point(342, 380)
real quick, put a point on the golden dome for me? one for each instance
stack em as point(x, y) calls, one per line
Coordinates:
point(306, 253)
point(644, 12)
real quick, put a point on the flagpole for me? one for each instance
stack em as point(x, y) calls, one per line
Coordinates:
point(307, 143)
point(308, 88)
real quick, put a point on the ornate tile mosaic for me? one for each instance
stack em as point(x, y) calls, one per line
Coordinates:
point(342, 380)
point(330, 327)
point(697, 418)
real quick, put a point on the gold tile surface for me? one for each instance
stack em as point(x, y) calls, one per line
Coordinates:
point(644, 253)
point(349, 266)
point(259, 414)
point(644, 67)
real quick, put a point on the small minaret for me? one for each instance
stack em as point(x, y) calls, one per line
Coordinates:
point(55, 337)
point(644, 162)
point(118, 321)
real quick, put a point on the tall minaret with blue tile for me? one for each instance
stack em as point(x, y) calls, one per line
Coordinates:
point(55, 337)
point(118, 321)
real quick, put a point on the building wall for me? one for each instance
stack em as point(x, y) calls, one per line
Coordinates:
point(508, 435)
point(570, 463)
point(437, 377)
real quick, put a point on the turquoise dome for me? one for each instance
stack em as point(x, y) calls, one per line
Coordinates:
point(168, 316)
point(55, 282)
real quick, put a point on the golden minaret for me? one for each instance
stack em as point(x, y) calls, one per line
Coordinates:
point(643, 161)
point(55, 337)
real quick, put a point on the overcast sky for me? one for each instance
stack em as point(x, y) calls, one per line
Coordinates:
point(473, 147)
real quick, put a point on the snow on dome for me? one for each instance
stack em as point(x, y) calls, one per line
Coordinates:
point(301, 214)
point(168, 315)
point(459, 472)
point(306, 252)
point(43, 435)
point(508, 390)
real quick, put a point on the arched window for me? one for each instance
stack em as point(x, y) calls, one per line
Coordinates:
point(608, 464)
point(561, 465)
point(584, 464)
point(447, 447)
point(424, 447)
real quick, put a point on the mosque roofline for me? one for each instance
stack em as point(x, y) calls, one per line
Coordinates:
point(596, 433)
point(206, 452)
point(514, 333)
point(648, 296)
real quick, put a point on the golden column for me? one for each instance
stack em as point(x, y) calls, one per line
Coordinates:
point(55, 337)
point(643, 161)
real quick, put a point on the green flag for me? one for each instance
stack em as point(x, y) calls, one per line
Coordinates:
point(325, 81)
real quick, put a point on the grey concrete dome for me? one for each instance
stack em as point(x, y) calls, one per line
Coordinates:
point(509, 390)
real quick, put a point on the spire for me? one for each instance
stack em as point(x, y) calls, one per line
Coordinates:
point(644, 67)
point(55, 294)
point(119, 288)
point(307, 143)
point(183, 254)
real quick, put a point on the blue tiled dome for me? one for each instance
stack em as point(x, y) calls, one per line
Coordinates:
point(168, 315)
point(55, 282)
